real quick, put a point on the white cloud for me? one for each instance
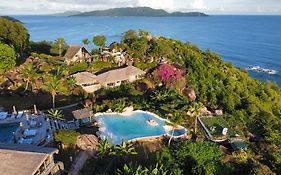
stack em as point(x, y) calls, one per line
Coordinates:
point(207, 6)
point(259, 9)
point(198, 5)
point(164, 4)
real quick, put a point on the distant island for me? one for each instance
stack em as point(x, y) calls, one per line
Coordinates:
point(138, 12)
point(66, 13)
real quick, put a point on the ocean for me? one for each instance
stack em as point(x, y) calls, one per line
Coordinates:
point(242, 40)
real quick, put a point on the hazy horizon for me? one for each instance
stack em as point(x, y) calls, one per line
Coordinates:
point(212, 7)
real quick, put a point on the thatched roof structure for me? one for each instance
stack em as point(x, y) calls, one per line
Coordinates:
point(22, 159)
point(85, 78)
point(71, 51)
point(77, 53)
point(83, 113)
point(121, 74)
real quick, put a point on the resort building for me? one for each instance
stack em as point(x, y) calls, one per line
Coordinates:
point(17, 159)
point(87, 81)
point(76, 54)
point(119, 56)
point(111, 78)
point(115, 77)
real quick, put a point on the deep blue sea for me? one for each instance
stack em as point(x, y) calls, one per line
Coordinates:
point(242, 40)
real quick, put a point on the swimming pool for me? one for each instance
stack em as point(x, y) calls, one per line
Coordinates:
point(117, 127)
point(6, 133)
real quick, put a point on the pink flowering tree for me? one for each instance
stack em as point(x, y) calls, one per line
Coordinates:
point(169, 74)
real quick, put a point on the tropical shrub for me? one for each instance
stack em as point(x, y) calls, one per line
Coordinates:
point(66, 137)
point(8, 57)
point(14, 34)
point(79, 67)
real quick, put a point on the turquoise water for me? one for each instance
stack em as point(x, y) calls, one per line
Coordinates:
point(177, 132)
point(242, 40)
point(6, 133)
point(116, 127)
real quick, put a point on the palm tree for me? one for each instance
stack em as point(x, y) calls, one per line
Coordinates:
point(53, 87)
point(57, 114)
point(161, 96)
point(29, 73)
point(194, 111)
point(86, 41)
point(60, 42)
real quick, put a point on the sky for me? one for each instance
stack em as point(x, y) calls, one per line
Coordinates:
point(29, 7)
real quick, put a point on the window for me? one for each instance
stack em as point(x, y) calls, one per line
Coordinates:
point(110, 84)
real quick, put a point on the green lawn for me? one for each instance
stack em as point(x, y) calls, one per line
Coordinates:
point(217, 123)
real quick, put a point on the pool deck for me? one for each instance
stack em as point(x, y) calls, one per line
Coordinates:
point(29, 123)
point(10, 121)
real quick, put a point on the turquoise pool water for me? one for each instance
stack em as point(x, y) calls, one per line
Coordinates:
point(117, 127)
point(177, 132)
point(6, 133)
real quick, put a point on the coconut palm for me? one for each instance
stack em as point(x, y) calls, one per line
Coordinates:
point(194, 111)
point(55, 113)
point(54, 86)
point(29, 73)
point(60, 42)
point(86, 41)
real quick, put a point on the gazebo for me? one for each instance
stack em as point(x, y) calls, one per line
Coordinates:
point(84, 116)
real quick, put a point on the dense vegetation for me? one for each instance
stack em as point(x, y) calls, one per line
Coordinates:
point(14, 34)
point(255, 107)
point(66, 137)
point(8, 57)
point(137, 11)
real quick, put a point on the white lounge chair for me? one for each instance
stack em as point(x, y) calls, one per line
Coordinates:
point(31, 132)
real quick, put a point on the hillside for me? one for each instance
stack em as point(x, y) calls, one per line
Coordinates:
point(138, 11)
point(173, 70)
point(67, 13)
point(11, 19)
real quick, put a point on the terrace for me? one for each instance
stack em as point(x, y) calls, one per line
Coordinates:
point(216, 128)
